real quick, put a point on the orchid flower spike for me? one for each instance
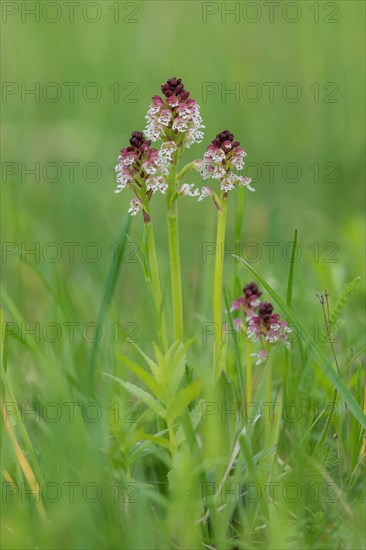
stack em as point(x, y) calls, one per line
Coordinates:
point(223, 156)
point(174, 118)
point(260, 323)
point(141, 168)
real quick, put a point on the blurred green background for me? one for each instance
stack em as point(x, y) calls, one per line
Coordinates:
point(130, 49)
point(315, 49)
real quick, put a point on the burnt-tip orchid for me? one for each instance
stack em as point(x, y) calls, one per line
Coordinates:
point(143, 169)
point(174, 118)
point(222, 157)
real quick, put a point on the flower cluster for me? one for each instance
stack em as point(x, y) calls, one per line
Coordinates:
point(248, 301)
point(262, 324)
point(221, 157)
point(141, 168)
point(174, 118)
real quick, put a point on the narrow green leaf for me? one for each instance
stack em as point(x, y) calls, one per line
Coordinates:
point(314, 349)
point(109, 290)
point(154, 439)
point(137, 392)
point(360, 352)
point(184, 397)
point(291, 271)
point(3, 340)
point(150, 363)
point(176, 368)
point(239, 366)
point(220, 360)
point(144, 376)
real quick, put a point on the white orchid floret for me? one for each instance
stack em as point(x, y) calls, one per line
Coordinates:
point(153, 131)
point(228, 182)
point(226, 187)
point(193, 136)
point(186, 190)
point(210, 170)
point(218, 156)
point(245, 181)
point(149, 168)
point(184, 111)
point(209, 154)
point(218, 173)
point(205, 192)
point(153, 110)
point(180, 124)
point(128, 160)
point(123, 180)
point(238, 163)
point(252, 335)
point(135, 207)
point(197, 119)
point(173, 101)
point(120, 187)
point(156, 183)
point(165, 117)
point(261, 356)
point(167, 149)
point(234, 178)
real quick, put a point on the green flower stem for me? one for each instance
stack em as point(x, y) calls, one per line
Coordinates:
point(174, 253)
point(249, 373)
point(238, 229)
point(175, 273)
point(171, 438)
point(267, 397)
point(190, 166)
point(155, 281)
point(220, 243)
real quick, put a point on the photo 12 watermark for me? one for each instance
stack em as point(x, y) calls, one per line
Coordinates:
point(70, 492)
point(271, 252)
point(270, 92)
point(30, 12)
point(252, 492)
point(52, 332)
point(68, 92)
point(267, 171)
point(270, 12)
point(269, 411)
point(69, 412)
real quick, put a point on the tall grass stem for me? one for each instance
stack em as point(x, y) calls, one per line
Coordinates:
point(219, 267)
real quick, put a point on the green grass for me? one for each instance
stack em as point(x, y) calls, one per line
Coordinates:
point(152, 456)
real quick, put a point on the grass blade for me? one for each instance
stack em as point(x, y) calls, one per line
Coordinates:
point(3, 341)
point(109, 290)
point(291, 271)
point(239, 367)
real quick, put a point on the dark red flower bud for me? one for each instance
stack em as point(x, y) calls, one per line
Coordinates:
point(174, 86)
point(224, 137)
point(138, 142)
point(251, 289)
point(265, 311)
